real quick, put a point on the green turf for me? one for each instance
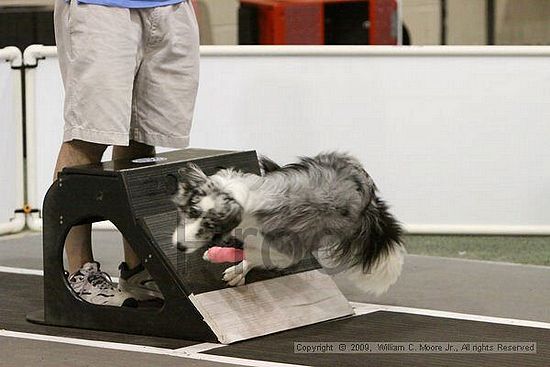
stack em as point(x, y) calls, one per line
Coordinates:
point(523, 250)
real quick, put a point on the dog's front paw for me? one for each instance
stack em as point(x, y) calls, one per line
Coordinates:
point(235, 275)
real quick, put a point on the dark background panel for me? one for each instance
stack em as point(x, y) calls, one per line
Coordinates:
point(22, 27)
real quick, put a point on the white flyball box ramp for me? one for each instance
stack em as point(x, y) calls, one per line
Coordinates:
point(455, 137)
point(270, 306)
point(11, 142)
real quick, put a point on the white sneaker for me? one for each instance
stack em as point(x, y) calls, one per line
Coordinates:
point(138, 283)
point(95, 286)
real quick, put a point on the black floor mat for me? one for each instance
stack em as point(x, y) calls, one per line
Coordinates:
point(396, 327)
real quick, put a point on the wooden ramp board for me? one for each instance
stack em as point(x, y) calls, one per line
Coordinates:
point(271, 306)
point(390, 327)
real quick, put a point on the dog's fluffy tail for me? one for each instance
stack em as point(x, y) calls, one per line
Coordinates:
point(371, 258)
point(376, 280)
point(379, 277)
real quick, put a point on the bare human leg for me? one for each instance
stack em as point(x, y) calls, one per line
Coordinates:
point(78, 244)
point(132, 151)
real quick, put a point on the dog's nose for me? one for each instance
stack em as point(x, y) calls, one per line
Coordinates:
point(181, 247)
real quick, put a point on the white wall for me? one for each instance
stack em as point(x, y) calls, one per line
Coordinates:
point(454, 137)
point(450, 140)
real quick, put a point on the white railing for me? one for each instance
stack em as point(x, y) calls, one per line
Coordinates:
point(11, 142)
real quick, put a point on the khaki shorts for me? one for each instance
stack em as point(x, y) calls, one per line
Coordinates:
point(129, 74)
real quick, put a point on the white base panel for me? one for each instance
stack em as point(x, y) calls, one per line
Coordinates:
point(270, 306)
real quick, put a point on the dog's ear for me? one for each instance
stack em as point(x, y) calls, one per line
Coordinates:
point(222, 220)
point(267, 165)
point(191, 177)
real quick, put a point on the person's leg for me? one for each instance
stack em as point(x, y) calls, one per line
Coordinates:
point(132, 151)
point(99, 55)
point(78, 243)
point(165, 87)
point(164, 94)
point(134, 279)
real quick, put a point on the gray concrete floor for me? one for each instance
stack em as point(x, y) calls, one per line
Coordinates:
point(467, 286)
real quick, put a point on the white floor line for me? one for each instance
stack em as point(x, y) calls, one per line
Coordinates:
point(180, 353)
point(364, 308)
point(237, 361)
point(199, 348)
point(7, 269)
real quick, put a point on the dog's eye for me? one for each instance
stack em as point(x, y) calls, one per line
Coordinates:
point(198, 193)
point(180, 246)
point(194, 211)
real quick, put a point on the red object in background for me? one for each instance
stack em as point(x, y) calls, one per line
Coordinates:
point(318, 22)
point(383, 24)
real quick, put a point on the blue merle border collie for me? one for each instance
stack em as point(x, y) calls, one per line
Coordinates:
point(326, 206)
